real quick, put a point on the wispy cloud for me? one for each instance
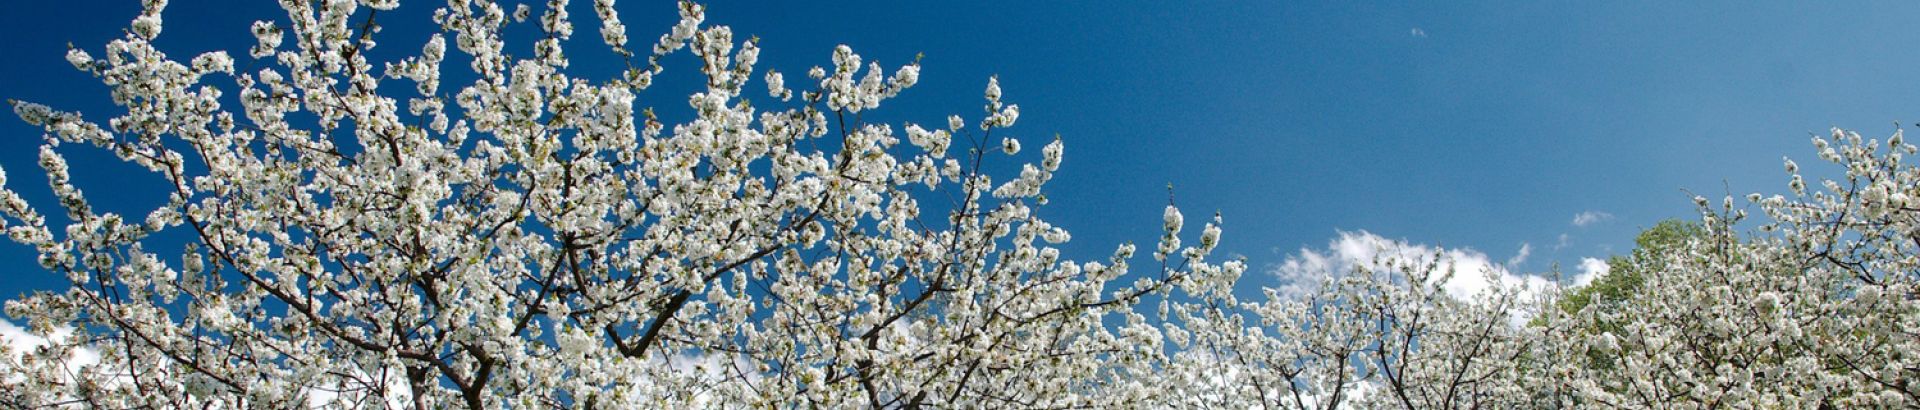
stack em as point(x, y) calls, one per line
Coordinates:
point(1419, 33)
point(1526, 249)
point(1584, 219)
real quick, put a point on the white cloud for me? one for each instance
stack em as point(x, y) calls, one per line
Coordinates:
point(1419, 33)
point(1474, 272)
point(1590, 269)
point(1590, 217)
point(354, 393)
point(19, 340)
point(1514, 262)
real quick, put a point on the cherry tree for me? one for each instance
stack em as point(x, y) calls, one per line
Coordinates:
point(1816, 309)
point(465, 228)
point(1382, 333)
point(1812, 306)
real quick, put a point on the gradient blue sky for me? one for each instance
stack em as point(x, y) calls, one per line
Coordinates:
point(1464, 125)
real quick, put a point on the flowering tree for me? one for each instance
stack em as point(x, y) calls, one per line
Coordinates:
point(1385, 334)
point(407, 234)
point(1816, 310)
point(512, 235)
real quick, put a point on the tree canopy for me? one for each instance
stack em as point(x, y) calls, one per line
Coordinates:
point(467, 228)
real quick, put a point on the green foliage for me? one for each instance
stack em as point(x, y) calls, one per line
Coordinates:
point(1626, 273)
point(1624, 278)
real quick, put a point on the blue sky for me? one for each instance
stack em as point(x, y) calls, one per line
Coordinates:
point(1485, 126)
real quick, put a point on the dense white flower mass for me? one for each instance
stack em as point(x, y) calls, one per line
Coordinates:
point(499, 233)
point(1815, 310)
point(471, 229)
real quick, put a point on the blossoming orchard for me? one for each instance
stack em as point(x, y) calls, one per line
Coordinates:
point(467, 228)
